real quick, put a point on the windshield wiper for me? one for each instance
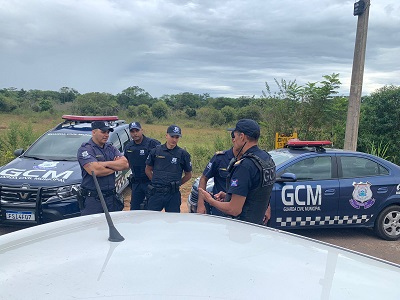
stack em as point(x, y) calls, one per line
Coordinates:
point(34, 157)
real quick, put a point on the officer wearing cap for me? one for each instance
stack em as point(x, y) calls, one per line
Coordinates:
point(136, 152)
point(103, 159)
point(251, 177)
point(217, 169)
point(164, 166)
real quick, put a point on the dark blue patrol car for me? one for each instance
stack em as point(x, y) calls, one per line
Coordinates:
point(41, 184)
point(324, 187)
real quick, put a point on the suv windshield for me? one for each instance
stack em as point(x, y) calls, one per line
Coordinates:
point(280, 157)
point(57, 146)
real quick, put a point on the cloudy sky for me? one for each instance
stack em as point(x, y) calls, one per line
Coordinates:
point(221, 47)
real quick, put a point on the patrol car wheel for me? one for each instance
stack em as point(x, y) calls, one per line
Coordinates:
point(387, 226)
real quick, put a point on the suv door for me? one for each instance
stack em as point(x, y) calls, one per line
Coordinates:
point(312, 200)
point(364, 186)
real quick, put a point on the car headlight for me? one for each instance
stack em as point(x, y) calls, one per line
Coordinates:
point(68, 191)
point(64, 192)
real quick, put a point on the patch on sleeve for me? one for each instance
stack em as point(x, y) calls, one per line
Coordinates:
point(85, 155)
point(209, 166)
point(234, 182)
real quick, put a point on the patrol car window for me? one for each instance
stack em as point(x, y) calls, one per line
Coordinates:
point(115, 141)
point(125, 138)
point(57, 146)
point(353, 166)
point(280, 157)
point(314, 168)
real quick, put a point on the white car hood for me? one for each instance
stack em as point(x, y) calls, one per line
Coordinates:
point(182, 256)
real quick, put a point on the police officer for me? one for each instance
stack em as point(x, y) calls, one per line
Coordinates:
point(136, 153)
point(104, 159)
point(217, 169)
point(250, 180)
point(164, 166)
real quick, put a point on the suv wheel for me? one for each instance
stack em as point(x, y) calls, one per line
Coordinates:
point(387, 225)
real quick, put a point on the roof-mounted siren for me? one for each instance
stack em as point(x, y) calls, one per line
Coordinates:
point(88, 119)
point(319, 145)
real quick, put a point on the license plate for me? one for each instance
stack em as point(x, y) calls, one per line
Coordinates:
point(20, 215)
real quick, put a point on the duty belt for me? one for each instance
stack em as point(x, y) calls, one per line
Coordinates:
point(93, 193)
point(140, 180)
point(164, 189)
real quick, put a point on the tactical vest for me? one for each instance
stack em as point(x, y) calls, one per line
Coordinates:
point(167, 167)
point(137, 155)
point(258, 198)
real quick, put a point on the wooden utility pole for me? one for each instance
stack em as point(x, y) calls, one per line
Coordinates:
point(353, 111)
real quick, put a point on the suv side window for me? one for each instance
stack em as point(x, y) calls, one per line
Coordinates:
point(115, 141)
point(314, 168)
point(125, 138)
point(360, 167)
point(119, 139)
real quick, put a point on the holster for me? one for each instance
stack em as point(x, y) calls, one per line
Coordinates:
point(175, 186)
point(80, 198)
point(150, 191)
point(118, 202)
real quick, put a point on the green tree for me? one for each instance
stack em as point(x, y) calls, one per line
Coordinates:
point(250, 112)
point(134, 95)
point(229, 114)
point(95, 104)
point(379, 120)
point(45, 105)
point(191, 112)
point(185, 100)
point(68, 94)
point(220, 102)
point(7, 104)
point(144, 111)
point(160, 110)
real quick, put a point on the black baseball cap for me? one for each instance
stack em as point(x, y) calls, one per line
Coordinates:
point(135, 125)
point(248, 126)
point(174, 130)
point(102, 126)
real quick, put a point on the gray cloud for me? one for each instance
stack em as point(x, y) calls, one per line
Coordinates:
point(224, 48)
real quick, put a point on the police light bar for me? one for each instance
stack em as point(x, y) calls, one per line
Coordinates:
point(298, 143)
point(89, 118)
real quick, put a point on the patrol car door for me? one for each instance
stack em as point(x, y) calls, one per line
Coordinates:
point(364, 186)
point(311, 200)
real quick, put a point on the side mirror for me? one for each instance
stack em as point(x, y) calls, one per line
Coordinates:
point(287, 177)
point(19, 152)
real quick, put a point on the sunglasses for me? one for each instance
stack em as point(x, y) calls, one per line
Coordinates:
point(232, 134)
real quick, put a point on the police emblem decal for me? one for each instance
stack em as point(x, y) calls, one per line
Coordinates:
point(47, 165)
point(141, 152)
point(85, 154)
point(174, 160)
point(362, 195)
point(234, 182)
point(176, 130)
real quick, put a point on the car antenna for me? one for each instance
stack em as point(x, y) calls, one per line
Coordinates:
point(115, 236)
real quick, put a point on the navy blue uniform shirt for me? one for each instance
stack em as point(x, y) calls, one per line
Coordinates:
point(246, 175)
point(136, 154)
point(91, 152)
point(168, 164)
point(216, 169)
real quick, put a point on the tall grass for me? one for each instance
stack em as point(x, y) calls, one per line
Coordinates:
point(17, 136)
